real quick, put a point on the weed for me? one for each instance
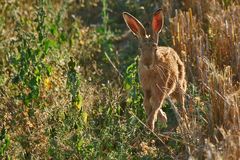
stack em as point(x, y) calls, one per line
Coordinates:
point(4, 143)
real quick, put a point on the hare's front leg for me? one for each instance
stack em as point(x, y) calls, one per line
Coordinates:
point(146, 101)
point(156, 102)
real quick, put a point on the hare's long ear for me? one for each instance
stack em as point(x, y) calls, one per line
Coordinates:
point(134, 25)
point(157, 24)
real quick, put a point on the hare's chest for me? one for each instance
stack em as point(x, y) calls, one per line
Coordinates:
point(147, 78)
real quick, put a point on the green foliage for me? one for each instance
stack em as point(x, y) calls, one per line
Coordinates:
point(29, 61)
point(73, 83)
point(4, 143)
point(132, 86)
point(226, 3)
point(105, 15)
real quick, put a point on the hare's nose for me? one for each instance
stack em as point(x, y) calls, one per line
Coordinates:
point(148, 66)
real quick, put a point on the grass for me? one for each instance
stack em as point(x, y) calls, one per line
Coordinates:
point(69, 85)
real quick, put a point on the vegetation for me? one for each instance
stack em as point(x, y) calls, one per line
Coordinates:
point(69, 85)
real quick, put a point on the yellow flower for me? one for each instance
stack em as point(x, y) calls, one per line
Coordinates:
point(78, 104)
point(84, 117)
point(47, 84)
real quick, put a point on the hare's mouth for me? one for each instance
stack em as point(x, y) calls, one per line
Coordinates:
point(147, 67)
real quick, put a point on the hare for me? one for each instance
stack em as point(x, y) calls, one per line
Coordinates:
point(161, 71)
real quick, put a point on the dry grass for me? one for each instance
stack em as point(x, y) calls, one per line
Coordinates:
point(208, 40)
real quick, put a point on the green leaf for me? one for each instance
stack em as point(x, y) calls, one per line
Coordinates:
point(48, 44)
point(3, 132)
point(49, 69)
point(127, 86)
point(63, 37)
point(16, 79)
point(53, 29)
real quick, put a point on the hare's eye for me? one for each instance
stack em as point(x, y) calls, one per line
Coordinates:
point(154, 45)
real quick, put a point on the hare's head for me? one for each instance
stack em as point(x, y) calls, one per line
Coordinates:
point(147, 42)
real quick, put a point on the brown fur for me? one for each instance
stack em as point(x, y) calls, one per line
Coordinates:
point(161, 71)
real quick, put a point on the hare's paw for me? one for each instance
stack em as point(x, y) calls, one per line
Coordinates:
point(162, 116)
point(151, 124)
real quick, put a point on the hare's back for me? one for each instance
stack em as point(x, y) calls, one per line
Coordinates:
point(167, 56)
